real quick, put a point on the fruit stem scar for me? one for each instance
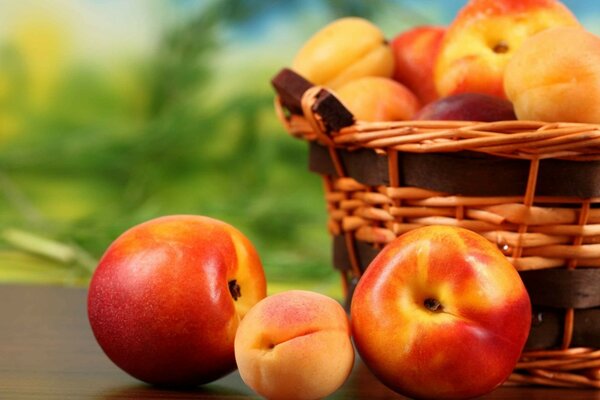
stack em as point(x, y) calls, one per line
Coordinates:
point(234, 289)
point(433, 305)
point(500, 47)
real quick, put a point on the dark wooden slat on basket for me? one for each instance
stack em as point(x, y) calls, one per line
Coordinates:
point(364, 251)
point(465, 173)
point(334, 114)
point(574, 288)
point(291, 86)
point(547, 329)
point(353, 162)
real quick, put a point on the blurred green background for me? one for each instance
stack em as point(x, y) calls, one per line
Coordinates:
point(116, 112)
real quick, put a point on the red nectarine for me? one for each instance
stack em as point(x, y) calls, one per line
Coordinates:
point(166, 298)
point(440, 313)
point(415, 52)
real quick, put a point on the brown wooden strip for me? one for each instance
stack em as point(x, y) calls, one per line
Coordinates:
point(564, 288)
point(290, 87)
point(468, 173)
point(364, 251)
point(546, 331)
point(363, 165)
point(335, 115)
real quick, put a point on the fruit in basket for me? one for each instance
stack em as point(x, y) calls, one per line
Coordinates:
point(547, 84)
point(484, 36)
point(415, 52)
point(468, 107)
point(295, 345)
point(440, 313)
point(346, 49)
point(374, 98)
point(166, 298)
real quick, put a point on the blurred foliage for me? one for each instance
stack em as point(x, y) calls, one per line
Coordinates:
point(111, 150)
point(88, 151)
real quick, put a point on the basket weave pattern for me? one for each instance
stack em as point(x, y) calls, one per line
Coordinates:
point(534, 232)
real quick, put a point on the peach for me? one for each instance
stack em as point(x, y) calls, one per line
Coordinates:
point(166, 298)
point(294, 345)
point(346, 49)
point(555, 76)
point(373, 98)
point(415, 52)
point(440, 313)
point(484, 36)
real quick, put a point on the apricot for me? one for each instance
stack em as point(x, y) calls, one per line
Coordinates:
point(374, 98)
point(294, 345)
point(555, 76)
point(346, 49)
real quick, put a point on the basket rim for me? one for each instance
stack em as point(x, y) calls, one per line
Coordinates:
point(303, 118)
point(513, 139)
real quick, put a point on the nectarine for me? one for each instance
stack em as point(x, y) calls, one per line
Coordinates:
point(166, 298)
point(440, 313)
point(484, 36)
point(415, 52)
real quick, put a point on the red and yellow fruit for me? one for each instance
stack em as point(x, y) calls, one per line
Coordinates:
point(167, 296)
point(484, 36)
point(415, 52)
point(440, 313)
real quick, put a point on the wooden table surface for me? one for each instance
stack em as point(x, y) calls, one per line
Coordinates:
point(47, 351)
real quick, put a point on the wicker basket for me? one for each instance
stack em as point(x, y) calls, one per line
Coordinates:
point(533, 188)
